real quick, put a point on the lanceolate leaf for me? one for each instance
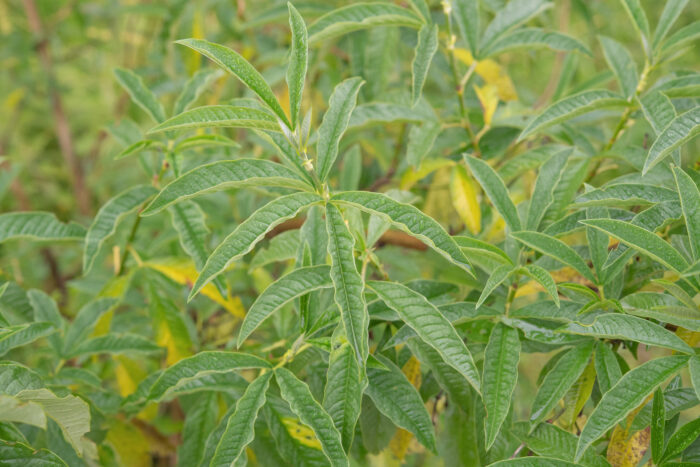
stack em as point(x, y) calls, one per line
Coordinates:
point(198, 141)
point(466, 15)
point(188, 220)
point(545, 279)
point(115, 344)
point(500, 375)
point(622, 64)
point(690, 203)
point(238, 66)
point(549, 440)
point(296, 71)
point(570, 107)
point(658, 422)
point(347, 282)
point(22, 334)
point(335, 121)
point(682, 438)
point(138, 147)
point(108, 217)
point(681, 130)
point(361, 16)
point(193, 88)
point(559, 379)
point(212, 116)
point(140, 94)
point(543, 194)
point(497, 277)
point(533, 461)
point(240, 427)
point(36, 225)
point(310, 412)
point(642, 240)
point(513, 14)
point(342, 396)
point(626, 194)
point(425, 49)
point(658, 110)
point(496, 190)
point(225, 175)
point(430, 325)
point(535, 37)
point(292, 285)
point(694, 370)
point(681, 37)
point(22, 454)
point(556, 249)
point(626, 395)
point(250, 232)
point(201, 364)
point(619, 326)
point(409, 219)
point(639, 18)
point(396, 398)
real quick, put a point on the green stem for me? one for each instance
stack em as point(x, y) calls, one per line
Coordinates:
point(129, 241)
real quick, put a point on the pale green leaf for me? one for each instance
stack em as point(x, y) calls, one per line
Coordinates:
point(672, 10)
point(115, 344)
point(224, 175)
point(658, 110)
point(201, 415)
point(15, 378)
point(23, 334)
point(626, 194)
point(335, 121)
point(683, 36)
point(204, 140)
point(39, 226)
point(629, 392)
point(690, 203)
point(193, 88)
point(280, 248)
point(420, 141)
point(682, 129)
point(250, 232)
point(214, 116)
point(466, 15)
point(533, 461)
point(621, 63)
point(430, 325)
point(425, 49)
point(138, 147)
point(500, 376)
point(282, 291)
point(694, 370)
point(188, 220)
point(85, 322)
point(496, 190)
point(311, 413)
point(22, 455)
point(298, 61)
point(238, 66)
point(382, 113)
point(515, 13)
point(530, 38)
point(639, 18)
point(140, 94)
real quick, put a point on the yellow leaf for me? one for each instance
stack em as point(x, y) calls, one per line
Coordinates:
point(177, 346)
point(194, 59)
point(577, 396)
point(435, 205)
point(184, 272)
point(692, 338)
point(625, 450)
point(130, 444)
point(465, 199)
point(488, 98)
point(411, 176)
point(301, 433)
point(492, 73)
point(398, 446)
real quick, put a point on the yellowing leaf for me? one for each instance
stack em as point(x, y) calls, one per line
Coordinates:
point(692, 338)
point(577, 396)
point(194, 59)
point(301, 433)
point(398, 446)
point(130, 444)
point(184, 272)
point(492, 73)
point(627, 451)
point(435, 205)
point(128, 375)
point(411, 176)
point(488, 98)
point(177, 347)
point(465, 199)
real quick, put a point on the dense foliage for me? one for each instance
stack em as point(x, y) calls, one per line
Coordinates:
point(461, 232)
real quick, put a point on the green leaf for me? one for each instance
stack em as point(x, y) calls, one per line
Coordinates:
point(240, 426)
point(396, 398)
point(430, 325)
point(18, 454)
point(420, 141)
point(193, 88)
point(626, 194)
point(556, 249)
point(108, 217)
point(408, 219)
point(690, 203)
point(681, 37)
point(549, 440)
point(347, 282)
point(39, 226)
point(204, 140)
point(280, 248)
point(682, 438)
point(558, 381)
point(250, 232)
point(606, 366)
point(85, 322)
point(201, 415)
point(282, 291)
point(639, 18)
point(640, 239)
point(188, 220)
point(632, 328)
point(298, 61)
point(360, 16)
point(201, 364)
point(382, 113)
point(621, 63)
point(500, 376)
point(238, 66)
point(139, 146)
point(515, 13)
point(23, 334)
point(672, 10)
point(530, 38)
point(497, 277)
point(658, 425)
point(15, 378)
point(533, 462)
point(310, 412)
point(140, 94)
point(342, 396)
point(473, 244)
point(425, 49)
point(542, 197)
point(496, 190)
point(213, 116)
point(694, 370)
point(682, 129)
point(542, 277)
point(115, 344)
point(335, 121)
point(572, 106)
point(629, 392)
point(224, 175)
point(466, 15)
point(658, 110)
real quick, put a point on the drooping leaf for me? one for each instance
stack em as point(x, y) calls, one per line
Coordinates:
point(282, 291)
point(38, 226)
point(622, 64)
point(570, 107)
point(530, 38)
point(500, 376)
point(219, 116)
point(310, 412)
point(682, 129)
point(140, 94)
point(296, 71)
point(361, 16)
point(240, 427)
point(627, 394)
point(335, 121)
point(238, 66)
point(425, 49)
point(496, 190)
point(690, 203)
point(409, 219)
point(430, 325)
point(188, 220)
